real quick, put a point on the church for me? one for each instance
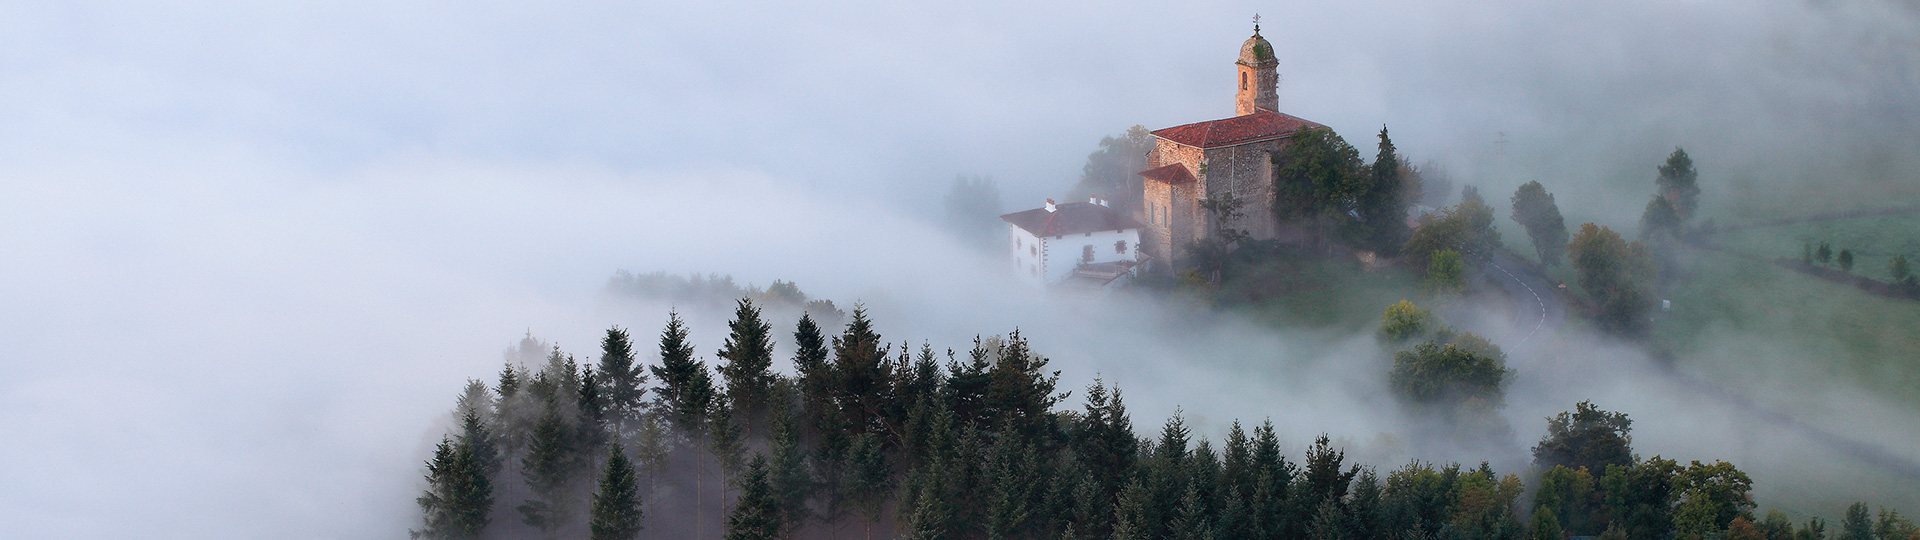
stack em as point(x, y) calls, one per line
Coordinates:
point(1197, 161)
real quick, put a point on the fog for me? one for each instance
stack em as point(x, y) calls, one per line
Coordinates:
point(252, 251)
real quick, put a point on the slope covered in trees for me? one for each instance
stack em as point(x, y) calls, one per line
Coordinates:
point(873, 439)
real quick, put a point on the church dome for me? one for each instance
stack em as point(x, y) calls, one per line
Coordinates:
point(1256, 50)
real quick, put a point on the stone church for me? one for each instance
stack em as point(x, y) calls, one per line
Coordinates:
point(1193, 162)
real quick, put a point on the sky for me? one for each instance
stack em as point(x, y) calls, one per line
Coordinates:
point(252, 250)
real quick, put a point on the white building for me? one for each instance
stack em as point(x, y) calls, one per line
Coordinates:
point(1079, 244)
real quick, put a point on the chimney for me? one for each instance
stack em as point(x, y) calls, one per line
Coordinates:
point(1103, 202)
point(1093, 200)
point(1049, 205)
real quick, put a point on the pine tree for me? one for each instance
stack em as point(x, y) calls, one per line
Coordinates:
point(1020, 389)
point(870, 474)
point(1364, 507)
point(1679, 183)
point(548, 470)
point(1858, 524)
point(1846, 260)
point(437, 505)
point(725, 442)
point(861, 374)
point(1009, 489)
point(788, 480)
point(1328, 522)
point(1383, 206)
point(686, 389)
point(1660, 220)
point(474, 434)
point(616, 506)
point(816, 375)
point(625, 381)
point(1814, 529)
point(757, 516)
point(748, 353)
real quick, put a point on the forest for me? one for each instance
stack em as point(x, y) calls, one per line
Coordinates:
point(876, 439)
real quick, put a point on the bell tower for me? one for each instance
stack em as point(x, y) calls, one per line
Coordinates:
point(1259, 75)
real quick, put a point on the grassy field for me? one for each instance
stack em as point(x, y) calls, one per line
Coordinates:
point(1291, 289)
point(1873, 239)
point(1741, 320)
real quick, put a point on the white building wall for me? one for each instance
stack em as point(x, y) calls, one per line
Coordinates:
point(1029, 255)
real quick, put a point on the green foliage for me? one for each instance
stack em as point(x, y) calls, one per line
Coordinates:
point(459, 493)
point(1824, 253)
point(1546, 526)
point(1436, 373)
point(1897, 268)
point(1570, 494)
point(1535, 210)
point(1846, 260)
point(1319, 179)
point(625, 381)
point(1679, 183)
point(1742, 529)
point(1858, 525)
point(1466, 228)
point(1113, 171)
point(1814, 529)
point(1381, 207)
point(1615, 274)
point(686, 389)
point(1586, 438)
point(616, 506)
point(748, 353)
point(757, 516)
point(1446, 272)
point(1893, 527)
point(548, 468)
point(1404, 321)
point(1776, 526)
point(1659, 220)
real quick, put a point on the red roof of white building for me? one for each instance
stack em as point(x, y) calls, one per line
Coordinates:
point(1071, 218)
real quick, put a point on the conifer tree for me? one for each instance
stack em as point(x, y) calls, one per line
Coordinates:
point(867, 484)
point(1383, 205)
point(1660, 220)
point(625, 381)
point(757, 516)
point(616, 506)
point(686, 389)
point(1020, 389)
point(1679, 183)
point(475, 436)
point(1858, 525)
point(1131, 521)
point(816, 375)
point(1009, 489)
point(1329, 523)
point(1324, 481)
point(725, 442)
point(548, 471)
point(1364, 507)
point(861, 374)
point(748, 353)
point(439, 506)
point(788, 480)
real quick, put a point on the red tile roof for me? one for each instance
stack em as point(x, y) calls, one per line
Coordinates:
point(1259, 126)
point(1170, 174)
point(1071, 218)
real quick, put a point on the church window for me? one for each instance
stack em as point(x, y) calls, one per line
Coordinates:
point(1120, 247)
point(1033, 250)
point(1086, 253)
point(1243, 80)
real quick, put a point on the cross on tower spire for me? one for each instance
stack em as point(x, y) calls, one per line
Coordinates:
point(1256, 24)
